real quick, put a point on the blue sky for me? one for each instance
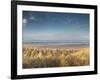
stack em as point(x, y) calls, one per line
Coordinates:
point(55, 26)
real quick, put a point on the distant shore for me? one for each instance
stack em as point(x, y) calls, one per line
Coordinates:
point(57, 46)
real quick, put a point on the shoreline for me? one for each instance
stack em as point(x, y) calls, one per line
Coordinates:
point(57, 46)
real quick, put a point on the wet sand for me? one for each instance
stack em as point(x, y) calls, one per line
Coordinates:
point(57, 46)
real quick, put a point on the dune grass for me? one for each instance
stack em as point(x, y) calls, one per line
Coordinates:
point(54, 57)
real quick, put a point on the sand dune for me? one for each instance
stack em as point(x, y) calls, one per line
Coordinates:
point(42, 57)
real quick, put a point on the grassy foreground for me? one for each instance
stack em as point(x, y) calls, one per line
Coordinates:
point(35, 57)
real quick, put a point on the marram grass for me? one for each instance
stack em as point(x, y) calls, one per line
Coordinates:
point(54, 57)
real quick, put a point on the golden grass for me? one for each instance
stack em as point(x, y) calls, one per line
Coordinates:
point(54, 57)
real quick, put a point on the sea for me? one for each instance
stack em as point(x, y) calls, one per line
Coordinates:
point(56, 42)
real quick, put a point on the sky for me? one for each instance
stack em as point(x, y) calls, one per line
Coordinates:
point(54, 26)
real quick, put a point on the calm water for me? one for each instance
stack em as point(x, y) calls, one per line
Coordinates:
point(58, 42)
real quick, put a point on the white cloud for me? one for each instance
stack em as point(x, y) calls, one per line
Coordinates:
point(32, 18)
point(55, 36)
point(68, 21)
